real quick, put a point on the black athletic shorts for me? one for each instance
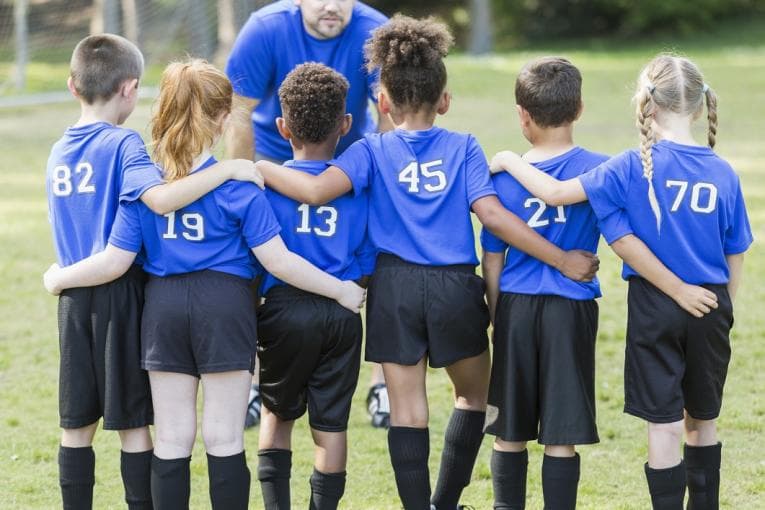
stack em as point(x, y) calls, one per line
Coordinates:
point(674, 361)
point(198, 323)
point(543, 372)
point(100, 371)
point(309, 348)
point(415, 310)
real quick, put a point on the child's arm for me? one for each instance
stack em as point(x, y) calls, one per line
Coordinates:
point(549, 189)
point(303, 187)
point(695, 300)
point(171, 196)
point(298, 272)
point(100, 268)
point(491, 267)
point(735, 268)
point(577, 265)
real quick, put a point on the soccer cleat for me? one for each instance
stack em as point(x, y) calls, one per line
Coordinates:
point(378, 406)
point(252, 417)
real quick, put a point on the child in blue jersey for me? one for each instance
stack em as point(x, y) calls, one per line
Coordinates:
point(96, 165)
point(425, 301)
point(198, 321)
point(686, 204)
point(309, 347)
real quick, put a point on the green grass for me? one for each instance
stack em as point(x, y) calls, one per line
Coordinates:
point(483, 104)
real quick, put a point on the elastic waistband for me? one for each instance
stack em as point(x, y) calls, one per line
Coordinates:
point(388, 260)
point(710, 286)
point(204, 274)
point(288, 292)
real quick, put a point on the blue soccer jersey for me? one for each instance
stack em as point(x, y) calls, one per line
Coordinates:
point(330, 236)
point(214, 232)
point(703, 216)
point(568, 227)
point(273, 42)
point(90, 170)
point(422, 185)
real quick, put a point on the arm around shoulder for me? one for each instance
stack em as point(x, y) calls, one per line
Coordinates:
point(102, 267)
point(303, 187)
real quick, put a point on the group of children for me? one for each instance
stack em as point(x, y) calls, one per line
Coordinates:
point(394, 210)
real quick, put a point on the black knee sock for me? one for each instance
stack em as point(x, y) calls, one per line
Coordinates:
point(462, 440)
point(326, 490)
point(229, 481)
point(667, 486)
point(274, 466)
point(409, 450)
point(508, 476)
point(170, 483)
point(136, 477)
point(560, 480)
point(76, 475)
point(702, 467)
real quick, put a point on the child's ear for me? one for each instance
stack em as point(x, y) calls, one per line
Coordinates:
point(281, 126)
point(70, 86)
point(345, 124)
point(523, 115)
point(443, 103)
point(383, 104)
point(129, 87)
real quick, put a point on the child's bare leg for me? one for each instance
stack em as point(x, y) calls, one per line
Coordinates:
point(560, 476)
point(274, 459)
point(664, 444)
point(702, 463)
point(79, 438)
point(135, 440)
point(328, 478)
point(135, 467)
point(665, 470)
point(77, 464)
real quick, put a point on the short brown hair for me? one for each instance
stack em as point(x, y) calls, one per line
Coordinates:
point(101, 63)
point(312, 97)
point(550, 89)
point(409, 54)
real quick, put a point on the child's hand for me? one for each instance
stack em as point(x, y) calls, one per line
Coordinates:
point(579, 265)
point(502, 161)
point(50, 280)
point(695, 300)
point(246, 170)
point(352, 296)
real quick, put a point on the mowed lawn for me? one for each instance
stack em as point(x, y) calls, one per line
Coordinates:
point(612, 472)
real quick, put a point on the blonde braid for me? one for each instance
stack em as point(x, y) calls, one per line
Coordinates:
point(645, 121)
point(711, 116)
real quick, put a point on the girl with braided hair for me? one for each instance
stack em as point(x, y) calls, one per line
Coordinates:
point(685, 203)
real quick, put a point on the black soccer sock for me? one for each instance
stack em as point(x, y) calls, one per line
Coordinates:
point(409, 450)
point(76, 475)
point(274, 466)
point(136, 477)
point(702, 467)
point(326, 490)
point(229, 481)
point(667, 486)
point(508, 476)
point(170, 483)
point(462, 440)
point(560, 480)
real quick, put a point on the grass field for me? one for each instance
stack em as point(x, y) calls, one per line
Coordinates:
point(612, 474)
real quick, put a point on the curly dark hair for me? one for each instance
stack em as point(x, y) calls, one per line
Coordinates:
point(409, 54)
point(313, 101)
point(550, 89)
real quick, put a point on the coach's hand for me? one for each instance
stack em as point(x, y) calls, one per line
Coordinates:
point(695, 300)
point(50, 280)
point(579, 265)
point(246, 170)
point(352, 296)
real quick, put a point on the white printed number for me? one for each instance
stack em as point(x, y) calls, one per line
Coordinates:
point(700, 191)
point(193, 225)
point(536, 218)
point(411, 176)
point(62, 179)
point(330, 220)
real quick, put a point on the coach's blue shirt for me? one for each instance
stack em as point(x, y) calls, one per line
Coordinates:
point(330, 236)
point(568, 227)
point(273, 42)
point(90, 170)
point(703, 216)
point(214, 232)
point(422, 185)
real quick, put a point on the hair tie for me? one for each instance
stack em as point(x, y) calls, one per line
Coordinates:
point(705, 88)
point(651, 87)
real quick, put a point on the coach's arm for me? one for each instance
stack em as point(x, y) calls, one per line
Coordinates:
point(240, 137)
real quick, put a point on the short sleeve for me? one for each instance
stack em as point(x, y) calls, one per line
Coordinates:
point(606, 185)
point(139, 172)
point(126, 229)
point(366, 256)
point(357, 163)
point(738, 235)
point(251, 64)
point(615, 226)
point(249, 205)
point(492, 243)
point(478, 177)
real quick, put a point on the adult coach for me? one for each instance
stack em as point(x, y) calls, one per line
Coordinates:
point(273, 41)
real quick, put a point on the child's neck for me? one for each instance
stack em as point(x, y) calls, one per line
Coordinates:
point(675, 128)
point(99, 112)
point(547, 143)
point(314, 151)
point(199, 160)
point(414, 121)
